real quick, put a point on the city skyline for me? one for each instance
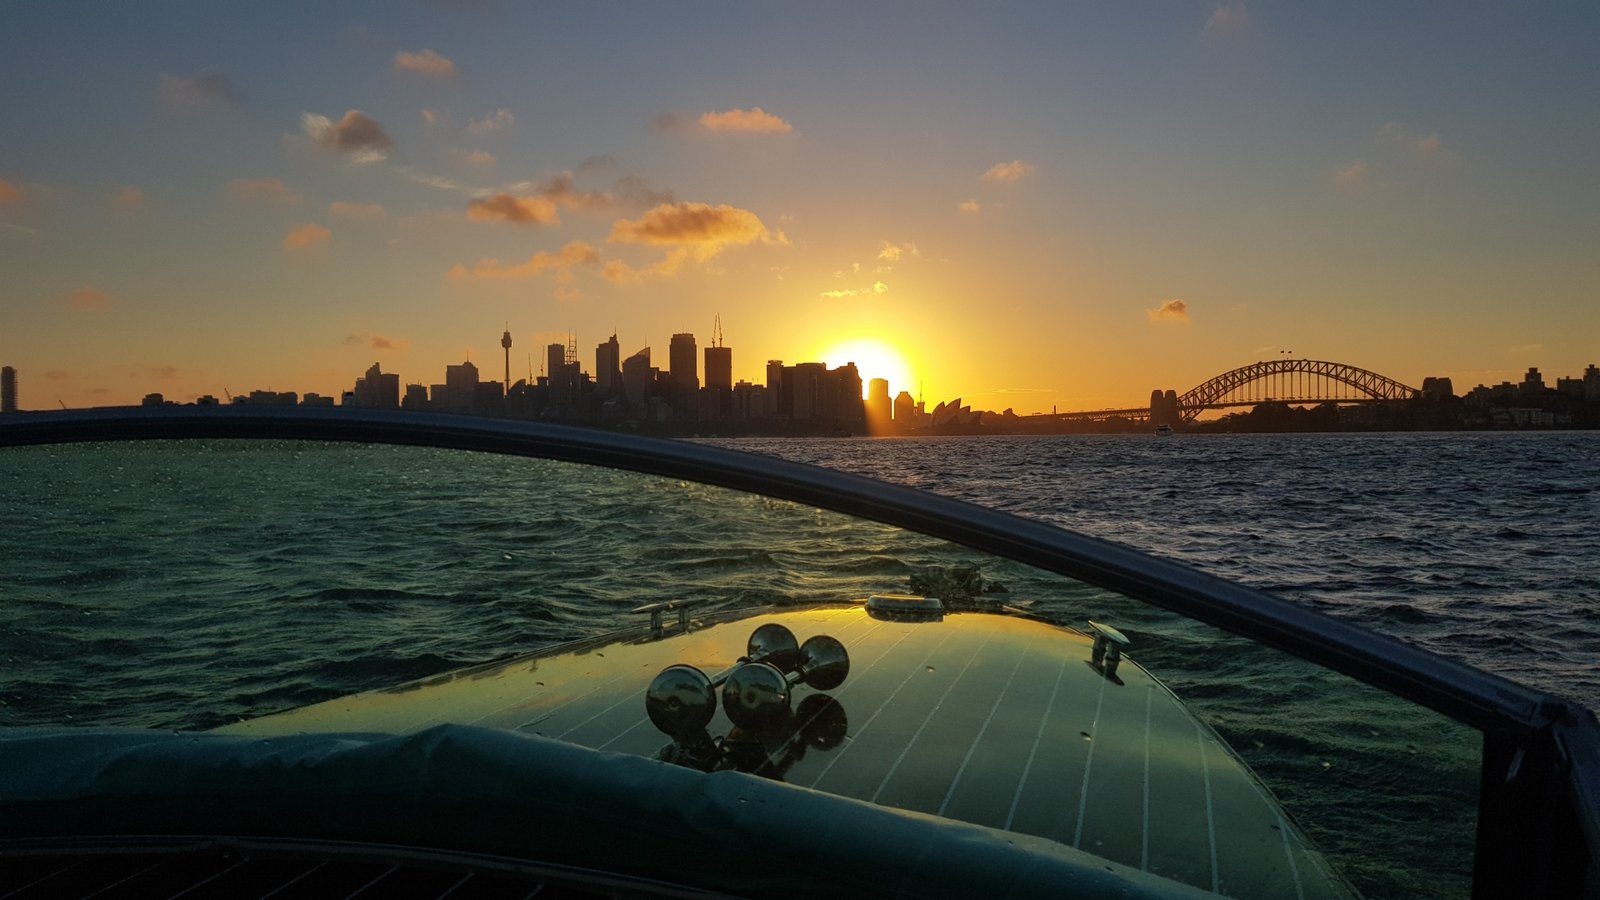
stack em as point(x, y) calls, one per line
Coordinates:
point(1033, 207)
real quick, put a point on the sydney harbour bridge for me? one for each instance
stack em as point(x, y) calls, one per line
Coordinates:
point(1290, 381)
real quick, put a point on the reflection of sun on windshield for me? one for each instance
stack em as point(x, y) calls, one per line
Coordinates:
point(874, 359)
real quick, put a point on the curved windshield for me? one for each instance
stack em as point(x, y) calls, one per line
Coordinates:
point(281, 587)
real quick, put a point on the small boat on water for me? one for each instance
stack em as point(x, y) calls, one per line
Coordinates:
point(947, 741)
point(1163, 429)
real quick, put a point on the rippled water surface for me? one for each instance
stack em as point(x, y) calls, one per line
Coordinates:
point(188, 585)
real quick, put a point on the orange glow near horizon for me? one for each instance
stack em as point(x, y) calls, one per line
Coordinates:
point(874, 359)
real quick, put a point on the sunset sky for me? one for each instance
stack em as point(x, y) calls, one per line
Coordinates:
point(1032, 205)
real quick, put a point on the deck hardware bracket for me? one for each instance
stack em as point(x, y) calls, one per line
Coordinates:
point(1107, 653)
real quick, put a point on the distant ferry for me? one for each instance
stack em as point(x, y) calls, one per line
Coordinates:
point(1163, 428)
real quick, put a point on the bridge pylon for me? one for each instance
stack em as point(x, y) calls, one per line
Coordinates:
point(1164, 408)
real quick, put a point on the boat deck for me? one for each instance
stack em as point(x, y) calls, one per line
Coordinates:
point(991, 719)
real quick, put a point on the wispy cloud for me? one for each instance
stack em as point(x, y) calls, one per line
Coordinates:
point(1228, 19)
point(424, 62)
point(969, 207)
point(1170, 311)
point(306, 237)
point(500, 120)
point(128, 200)
point(1009, 172)
point(375, 341)
point(268, 189)
point(477, 159)
point(1351, 176)
point(204, 92)
point(576, 253)
point(364, 212)
point(517, 210)
point(433, 118)
point(1525, 348)
point(892, 252)
point(357, 135)
point(744, 121)
point(878, 287)
point(1426, 148)
point(9, 193)
point(87, 298)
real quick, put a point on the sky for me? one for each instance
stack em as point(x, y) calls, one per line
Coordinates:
point(1040, 206)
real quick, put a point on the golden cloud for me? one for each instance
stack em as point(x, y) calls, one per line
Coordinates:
point(87, 298)
point(1170, 311)
point(878, 287)
point(356, 134)
point(424, 62)
point(892, 252)
point(705, 228)
point(1013, 171)
point(576, 253)
point(9, 193)
point(618, 272)
point(969, 207)
point(744, 121)
point(506, 208)
point(304, 237)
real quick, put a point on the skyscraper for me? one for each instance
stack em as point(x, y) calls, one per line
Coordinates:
point(636, 376)
point(8, 390)
point(682, 365)
point(608, 367)
point(880, 409)
point(719, 368)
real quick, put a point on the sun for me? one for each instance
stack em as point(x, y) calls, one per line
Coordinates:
point(873, 359)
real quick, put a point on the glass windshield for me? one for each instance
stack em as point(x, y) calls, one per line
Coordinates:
point(240, 586)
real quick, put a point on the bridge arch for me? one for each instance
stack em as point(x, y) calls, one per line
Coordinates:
point(1308, 380)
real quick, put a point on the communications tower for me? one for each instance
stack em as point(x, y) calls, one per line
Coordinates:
point(505, 342)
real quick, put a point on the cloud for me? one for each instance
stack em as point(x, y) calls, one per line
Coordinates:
point(478, 159)
point(128, 200)
point(1010, 172)
point(878, 287)
point(376, 341)
point(892, 252)
point(501, 120)
point(1353, 176)
point(205, 92)
point(269, 189)
point(599, 162)
point(9, 193)
point(506, 208)
point(576, 253)
point(87, 298)
point(705, 228)
point(1228, 19)
point(970, 207)
point(744, 121)
point(1170, 311)
point(1525, 348)
point(1427, 148)
point(433, 118)
point(357, 134)
point(368, 212)
point(539, 203)
point(619, 272)
point(58, 375)
point(424, 62)
point(161, 373)
point(305, 237)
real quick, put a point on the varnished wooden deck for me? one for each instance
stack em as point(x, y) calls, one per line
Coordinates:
point(989, 719)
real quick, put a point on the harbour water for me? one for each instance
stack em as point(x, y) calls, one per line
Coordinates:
point(184, 586)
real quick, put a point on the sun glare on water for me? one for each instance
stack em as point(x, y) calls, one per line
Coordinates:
point(874, 359)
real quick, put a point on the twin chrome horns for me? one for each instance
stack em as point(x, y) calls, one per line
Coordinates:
point(756, 692)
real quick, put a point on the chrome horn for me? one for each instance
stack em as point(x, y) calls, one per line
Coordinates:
point(681, 700)
point(756, 694)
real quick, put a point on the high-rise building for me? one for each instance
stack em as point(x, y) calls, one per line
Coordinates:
point(375, 389)
point(719, 368)
point(555, 357)
point(8, 390)
point(880, 409)
point(636, 376)
point(682, 364)
point(905, 411)
point(608, 367)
